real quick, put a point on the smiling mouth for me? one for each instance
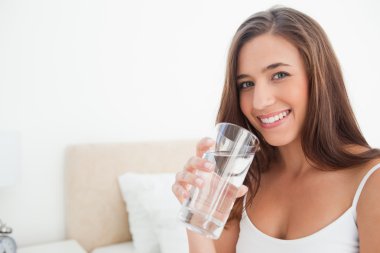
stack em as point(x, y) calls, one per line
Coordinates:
point(274, 118)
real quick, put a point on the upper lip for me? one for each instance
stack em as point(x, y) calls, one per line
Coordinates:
point(264, 116)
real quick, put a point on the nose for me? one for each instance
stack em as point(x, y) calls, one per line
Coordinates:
point(263, 96)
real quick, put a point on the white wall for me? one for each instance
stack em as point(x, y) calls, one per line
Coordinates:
point(75, 71)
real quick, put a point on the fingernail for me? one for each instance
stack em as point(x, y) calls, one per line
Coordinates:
point(209, 165)
point(199, 182)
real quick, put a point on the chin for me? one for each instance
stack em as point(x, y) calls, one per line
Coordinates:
point(278, 141)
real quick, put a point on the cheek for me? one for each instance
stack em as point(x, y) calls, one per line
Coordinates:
point(296, 94)
point(245, 104)
point(303, 94)
point(299, 94)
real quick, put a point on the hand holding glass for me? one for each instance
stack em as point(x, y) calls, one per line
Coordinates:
point(206, 210)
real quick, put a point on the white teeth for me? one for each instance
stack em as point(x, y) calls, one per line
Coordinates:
point(274, 118)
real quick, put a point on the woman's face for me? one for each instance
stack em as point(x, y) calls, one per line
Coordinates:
point(273, 86)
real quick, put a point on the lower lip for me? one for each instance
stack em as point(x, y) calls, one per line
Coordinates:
point(276, 123)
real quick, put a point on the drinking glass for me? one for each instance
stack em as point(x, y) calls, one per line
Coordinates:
point(206, 210)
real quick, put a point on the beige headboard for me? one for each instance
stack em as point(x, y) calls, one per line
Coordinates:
point(95, 212)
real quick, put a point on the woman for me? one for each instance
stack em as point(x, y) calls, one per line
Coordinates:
point(284, 83)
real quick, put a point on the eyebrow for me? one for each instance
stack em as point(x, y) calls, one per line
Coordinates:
point(271, 66)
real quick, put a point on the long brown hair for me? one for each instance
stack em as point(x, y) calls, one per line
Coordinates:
point(330, 124)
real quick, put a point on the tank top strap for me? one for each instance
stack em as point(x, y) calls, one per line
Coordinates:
point(244, 212)
point(245, 199)
point(361, 186)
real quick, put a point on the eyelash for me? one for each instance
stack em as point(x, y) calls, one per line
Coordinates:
point(247, 84)
point(278, 73)
point(242, 84)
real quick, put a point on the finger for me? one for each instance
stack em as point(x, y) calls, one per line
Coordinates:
point(204, 145)
point(186, 178)
point(242, 191)
point(197, 163)
point(180, 192)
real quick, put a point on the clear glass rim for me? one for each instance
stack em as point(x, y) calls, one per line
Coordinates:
point(254, 137)
point(254, 148)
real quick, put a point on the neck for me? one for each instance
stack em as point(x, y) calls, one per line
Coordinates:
point(292, 160)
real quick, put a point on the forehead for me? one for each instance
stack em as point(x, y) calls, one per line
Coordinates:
point(267, 49)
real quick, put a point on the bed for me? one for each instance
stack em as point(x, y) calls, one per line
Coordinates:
point(96, 215)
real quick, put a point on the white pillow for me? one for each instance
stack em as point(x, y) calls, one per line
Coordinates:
point(125, 247)
point(152, 211)
point(142, 229)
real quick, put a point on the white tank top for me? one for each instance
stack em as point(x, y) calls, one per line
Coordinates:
point(340, 236)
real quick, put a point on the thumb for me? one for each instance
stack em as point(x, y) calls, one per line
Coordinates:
point(242, 191)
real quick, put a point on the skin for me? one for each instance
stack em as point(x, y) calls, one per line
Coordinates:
point(266, 89)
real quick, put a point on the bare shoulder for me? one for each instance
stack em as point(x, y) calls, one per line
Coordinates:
point(368, 211)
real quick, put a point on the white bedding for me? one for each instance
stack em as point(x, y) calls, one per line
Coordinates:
point(152, 212)
point(126, 247)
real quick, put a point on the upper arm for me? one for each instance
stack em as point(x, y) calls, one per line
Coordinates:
point(228, 239)
point(368, 215)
